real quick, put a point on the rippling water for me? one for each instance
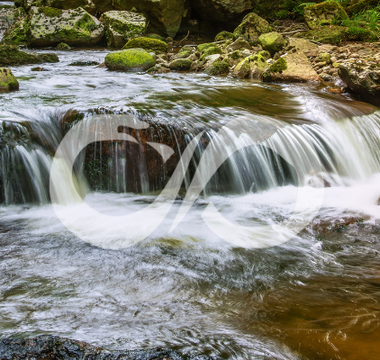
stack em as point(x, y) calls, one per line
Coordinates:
point(313, 297)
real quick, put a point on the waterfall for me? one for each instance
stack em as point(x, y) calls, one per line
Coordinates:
point(348, 149)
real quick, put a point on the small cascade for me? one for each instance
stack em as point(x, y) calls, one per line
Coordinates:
point(347, 149)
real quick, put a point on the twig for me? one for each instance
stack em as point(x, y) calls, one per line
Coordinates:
point(188, 33)
point(293, 32)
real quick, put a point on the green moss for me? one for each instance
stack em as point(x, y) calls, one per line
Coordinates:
point(50, 11)
point(63, 46)
point(236, 55)
point(279, 66)
point(356, 33)
point(265, 54)
point(155, 45)
point(203, 47)
point(251, 28)
point(130, 59)
point(326, 34)
point(180, 65)
point(218, 68)
point(7, 81)
point(272, 42)
point(155, 36)
point(224, 35)
point(211, 51)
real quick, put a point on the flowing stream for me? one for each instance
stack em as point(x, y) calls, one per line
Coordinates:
point(315, 296)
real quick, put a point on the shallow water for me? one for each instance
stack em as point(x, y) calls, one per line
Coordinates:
point(312, 297)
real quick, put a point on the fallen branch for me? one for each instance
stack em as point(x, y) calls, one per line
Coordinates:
point(188, 33)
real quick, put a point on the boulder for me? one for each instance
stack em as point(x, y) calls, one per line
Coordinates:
point(251, 67)
point(164, 16)
point(7, 81)
point(325, 13)
point(365, 84)
point(17, 31)
point(235, 57)
point(88, 5)
point(120, 26)
point(129, 60)
point(185, 52)
point(51, 26)
point(180, 65)
point(155, 45)
point(208, 49)
point(12, 55)
point(272, 42)
point(252, 27)
point(302, 44)
point(218, 68)
point(222, 11)
point(239, 44)
point(292, 67)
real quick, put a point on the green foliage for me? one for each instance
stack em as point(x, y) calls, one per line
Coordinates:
point(364, 26)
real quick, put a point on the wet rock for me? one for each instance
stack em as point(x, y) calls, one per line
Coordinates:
point(218, 68)
point(129, 60)
point(251, 67)
point(293, 67)
point(158, 46)
point(51, 26)
point(63, 46)
point(53, 347)
point(84, 63)
point(325, 13)
point(180, 65)
point(7, 81)
point(120, 26)
point(12, 55)
point(272, 42)
point(252, 27)
point(185, 52)
point(365, 84)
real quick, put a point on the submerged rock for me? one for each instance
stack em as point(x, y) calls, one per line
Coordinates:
point(129, 60)
point(50, 26)
point(54, 347)
point(293, 67)
point(155, 45)
point(325, 13)
point(7, 81)
point(252, 27)
point(120, 26)
point(12, 55)
point(365, 83)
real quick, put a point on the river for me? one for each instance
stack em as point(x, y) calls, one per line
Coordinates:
point(315, 296)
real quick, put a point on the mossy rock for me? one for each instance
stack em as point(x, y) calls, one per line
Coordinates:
point(18, 32)
point(325, 13)
point(129, 60)
point(122, 26)
point(73, 27)
point(265, 54)
point(158, 46)
point(356, 33)
point(203, 47)
point(180, 65)
point(218, 68)
point(208, 49)
point(251, 28)
point(239, 44)
point(63, 46)
point(12, 55)
point(272, 42)
point(325, 34)
point(157, 37)
point(237, 54)
point(7, 81)
point(252, 66)
point(224, 35)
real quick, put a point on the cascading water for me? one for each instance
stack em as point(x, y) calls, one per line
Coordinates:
point(184, 287)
